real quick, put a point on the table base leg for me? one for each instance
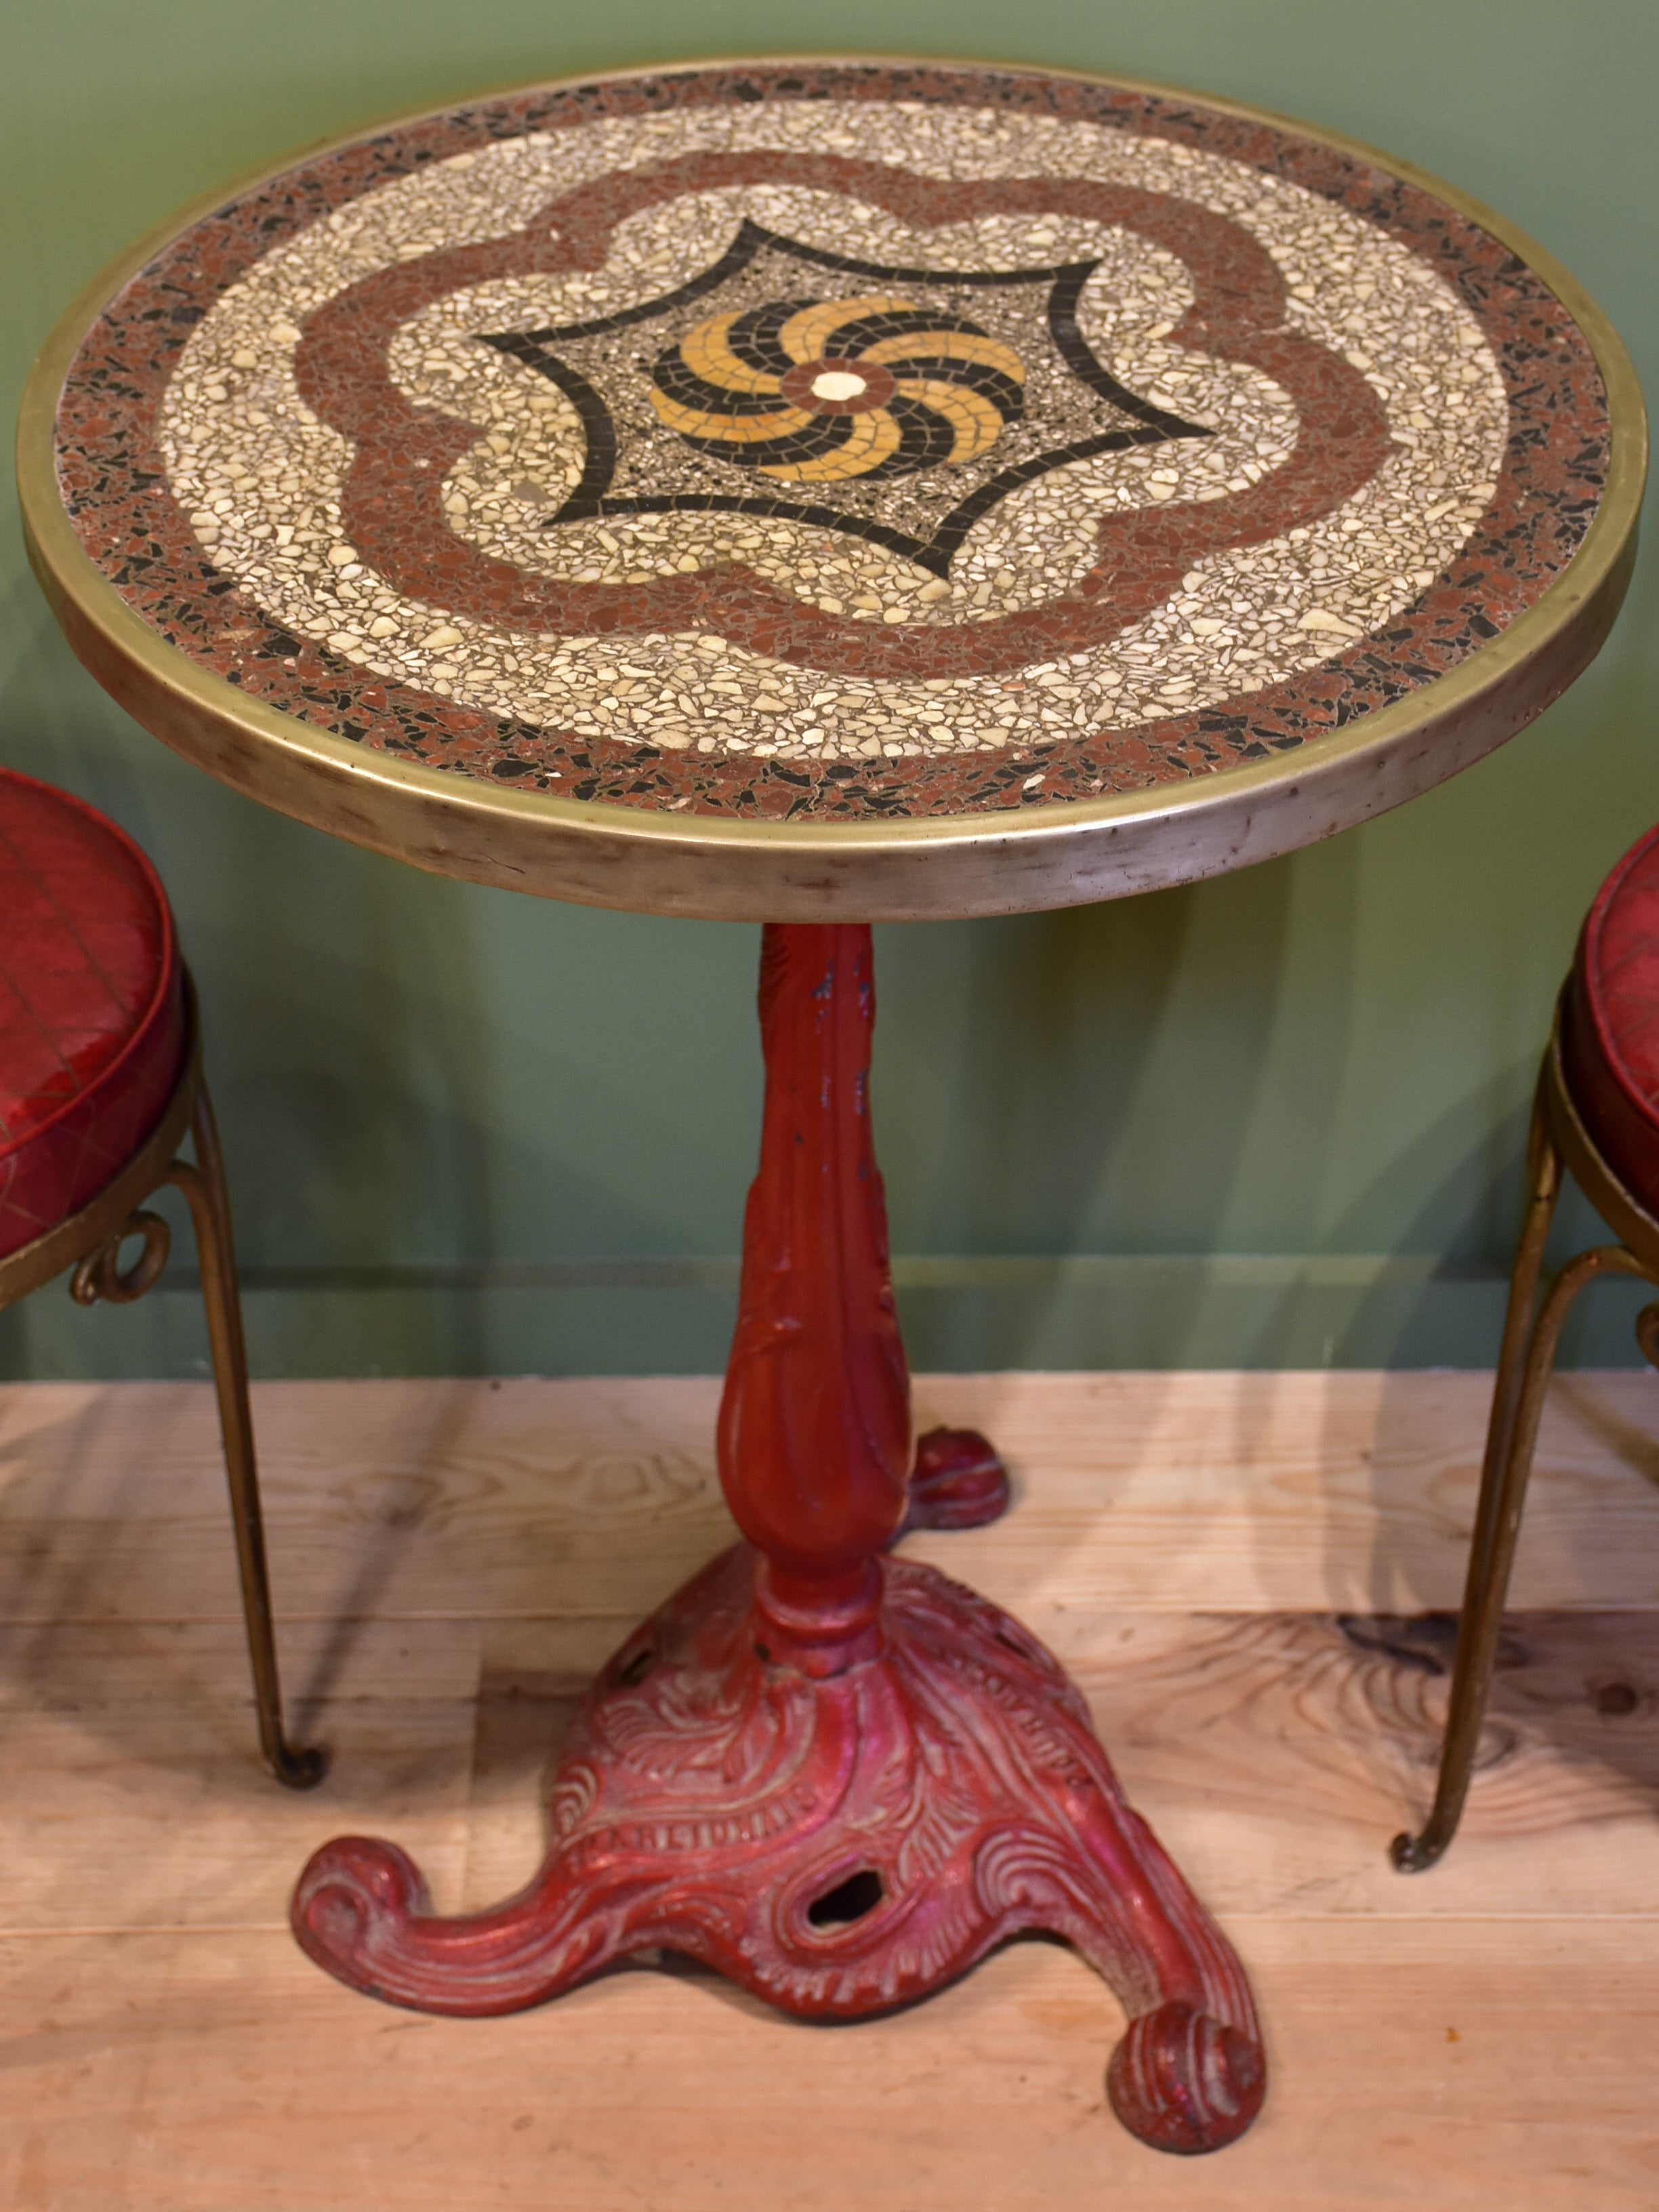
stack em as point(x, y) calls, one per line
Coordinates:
point(839, 1845)
point(957, 1481)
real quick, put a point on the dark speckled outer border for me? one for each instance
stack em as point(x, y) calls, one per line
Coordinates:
point(1498, 634)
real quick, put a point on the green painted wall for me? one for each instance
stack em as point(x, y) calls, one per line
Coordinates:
point(1273, 1119)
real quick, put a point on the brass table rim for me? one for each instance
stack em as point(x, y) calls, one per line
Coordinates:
point(1039, 855)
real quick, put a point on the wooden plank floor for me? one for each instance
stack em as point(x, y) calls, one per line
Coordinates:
point(1235, 1567)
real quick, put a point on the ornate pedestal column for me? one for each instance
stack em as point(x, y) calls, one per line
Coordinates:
point(837, 1777)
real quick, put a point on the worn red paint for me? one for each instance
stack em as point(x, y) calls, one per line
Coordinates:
point(836, 1777)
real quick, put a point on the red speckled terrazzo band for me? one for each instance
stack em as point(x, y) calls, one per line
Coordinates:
point(848, 441)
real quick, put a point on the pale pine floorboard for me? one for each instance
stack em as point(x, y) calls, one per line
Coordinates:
point(1234, 1566)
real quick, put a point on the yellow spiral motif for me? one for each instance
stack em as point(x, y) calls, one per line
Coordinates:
point(821, 392)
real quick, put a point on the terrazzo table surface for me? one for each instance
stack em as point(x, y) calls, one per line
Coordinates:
point(835, 491)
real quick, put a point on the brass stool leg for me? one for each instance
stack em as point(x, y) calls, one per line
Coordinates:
point(1523, 1373)
point(204, 1186)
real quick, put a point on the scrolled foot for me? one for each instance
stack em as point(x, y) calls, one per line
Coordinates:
point(1416, 1854)
point(354, 1900)
point(958, 1481)
point(299, 1770)
point(1183, 2080)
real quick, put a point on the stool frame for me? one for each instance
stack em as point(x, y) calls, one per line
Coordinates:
point(1558, 1142)
point(90, 1240)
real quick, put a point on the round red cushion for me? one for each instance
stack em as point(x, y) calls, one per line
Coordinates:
point(92, 1024)
point(1610, 1023)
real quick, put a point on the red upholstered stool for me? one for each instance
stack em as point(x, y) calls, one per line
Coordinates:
point(100, 1077)
point(1596, 1115)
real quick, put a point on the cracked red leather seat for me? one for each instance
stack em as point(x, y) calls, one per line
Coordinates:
point(92, 1014)
point(1610, 1023)
point(100, 1081)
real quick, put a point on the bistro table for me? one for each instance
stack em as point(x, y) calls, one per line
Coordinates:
point(814, 493)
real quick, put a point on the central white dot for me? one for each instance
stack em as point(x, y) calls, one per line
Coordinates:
point(838, 384)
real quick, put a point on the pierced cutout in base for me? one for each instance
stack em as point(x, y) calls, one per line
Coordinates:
point(840, 1844)
point(849, 1900)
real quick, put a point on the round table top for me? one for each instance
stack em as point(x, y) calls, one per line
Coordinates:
point(835, 490)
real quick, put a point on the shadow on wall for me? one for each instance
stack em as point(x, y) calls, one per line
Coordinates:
point(1062, 1050)
point(383, 1113)
point(409, 1072)
point(1323, 1056)
point(348, 1036)
point(1111, 1079)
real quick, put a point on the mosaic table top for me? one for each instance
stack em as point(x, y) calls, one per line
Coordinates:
point(806, 489)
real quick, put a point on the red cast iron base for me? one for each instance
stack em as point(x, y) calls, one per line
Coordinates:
point(829, 1773)
point(839, 1845)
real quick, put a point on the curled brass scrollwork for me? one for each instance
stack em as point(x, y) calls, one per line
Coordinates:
point(101, 1274)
